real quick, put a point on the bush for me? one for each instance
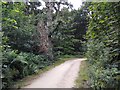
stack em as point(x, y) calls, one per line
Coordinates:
point(103, 45)
point(18, 65)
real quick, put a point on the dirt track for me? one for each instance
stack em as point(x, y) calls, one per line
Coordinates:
point(62, 76)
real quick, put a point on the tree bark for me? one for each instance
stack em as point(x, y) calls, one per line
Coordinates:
point(44, 30)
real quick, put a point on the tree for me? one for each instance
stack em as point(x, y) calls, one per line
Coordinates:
point(81, 26)
point(17, 33)
point(45, 27)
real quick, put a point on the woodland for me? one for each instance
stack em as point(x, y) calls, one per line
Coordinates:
point(34, 38)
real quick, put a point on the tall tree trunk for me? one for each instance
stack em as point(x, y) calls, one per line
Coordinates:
point(44, 30)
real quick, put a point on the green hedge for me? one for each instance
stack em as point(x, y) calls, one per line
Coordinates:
point(103, 45)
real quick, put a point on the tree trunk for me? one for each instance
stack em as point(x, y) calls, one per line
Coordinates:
point(44, 30)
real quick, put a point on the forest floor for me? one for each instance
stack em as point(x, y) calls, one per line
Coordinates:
point(62, 76)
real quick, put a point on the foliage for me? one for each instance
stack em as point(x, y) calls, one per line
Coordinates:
point(18, 65)
point(19, 35)
point(103, 45)
point(80, 25)
point(63, 33)
point(21, 39)
point(19, 30)
point(20, 44)
point(70, 32)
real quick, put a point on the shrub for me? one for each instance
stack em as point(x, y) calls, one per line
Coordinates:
point(18, 65)
point(103, 45)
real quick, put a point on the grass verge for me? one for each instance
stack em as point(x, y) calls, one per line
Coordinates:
point(27, 80)
point(82, 79)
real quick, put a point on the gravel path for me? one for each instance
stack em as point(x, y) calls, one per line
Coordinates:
point(62, 76)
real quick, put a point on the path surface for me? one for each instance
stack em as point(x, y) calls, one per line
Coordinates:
point(62, 76)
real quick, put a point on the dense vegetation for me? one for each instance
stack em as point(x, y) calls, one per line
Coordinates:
point(103, 45)
point(26, 46)
point(34, 38)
